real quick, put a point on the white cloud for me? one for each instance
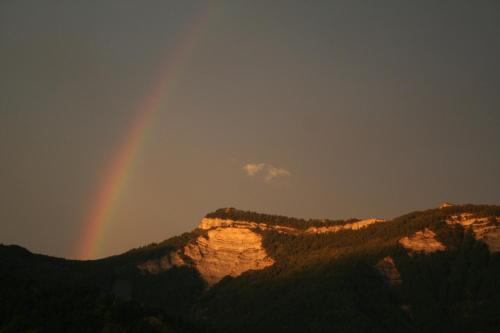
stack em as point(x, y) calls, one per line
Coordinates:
point(253, 168)
point(273, 172)
point(270, 171)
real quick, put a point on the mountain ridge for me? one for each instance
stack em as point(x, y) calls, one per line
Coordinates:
point(425, 271)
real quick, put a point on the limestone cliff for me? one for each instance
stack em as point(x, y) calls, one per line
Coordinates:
point(422, 241)
point(348, 226)
point(208, 223)
point(389, 271)
point(228, 248)
point(227, 251)
point(158, 265)
point(486, 229)
point(232, 247)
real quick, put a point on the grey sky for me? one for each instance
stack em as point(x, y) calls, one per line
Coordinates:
point(374, 109)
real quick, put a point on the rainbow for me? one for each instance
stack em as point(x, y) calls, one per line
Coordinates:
point(121, 165)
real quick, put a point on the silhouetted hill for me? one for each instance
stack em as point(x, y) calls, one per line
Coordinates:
point(428, 271)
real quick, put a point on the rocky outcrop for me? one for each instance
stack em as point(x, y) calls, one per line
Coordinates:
point(227, 251)
point(209, 223)
point(348, 226)
point(446, 205)
point(158, 265)
point(486, 229)
point(422, 242)
point(387, 268)
point(223, 251)
point(230, 247)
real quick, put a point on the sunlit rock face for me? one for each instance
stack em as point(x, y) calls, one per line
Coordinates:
point(422, 241)
point(209, 223)
point(486, 229)
point(389, 271)
point(446, 205)
point(348, 226)
point(227, 251)
point(231, 247)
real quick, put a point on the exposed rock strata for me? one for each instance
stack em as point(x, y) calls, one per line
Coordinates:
point(209, 223)
point(231, 247)
point(227, 251)
point(158, 265)
point(486, 229)
point(446, 205)
point(389, 271)
point(422, 241)
point(348, 226)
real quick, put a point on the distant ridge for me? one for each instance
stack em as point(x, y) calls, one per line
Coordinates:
point(242, 271)
point(243, 215)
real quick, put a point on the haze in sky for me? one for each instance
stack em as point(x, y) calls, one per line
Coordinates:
point(327, 109)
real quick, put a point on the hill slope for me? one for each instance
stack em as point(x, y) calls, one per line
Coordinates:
point(435, 270)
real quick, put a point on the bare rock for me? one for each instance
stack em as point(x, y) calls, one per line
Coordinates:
point(422, 241)
point(210, 223)
point(227, 251)
point(348, 226)
point(158, 265)
point(486, 229)
point(446, 205)
point(389, 271)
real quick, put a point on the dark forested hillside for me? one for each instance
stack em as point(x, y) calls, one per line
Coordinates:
point(44, 294)
point(330, 282)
